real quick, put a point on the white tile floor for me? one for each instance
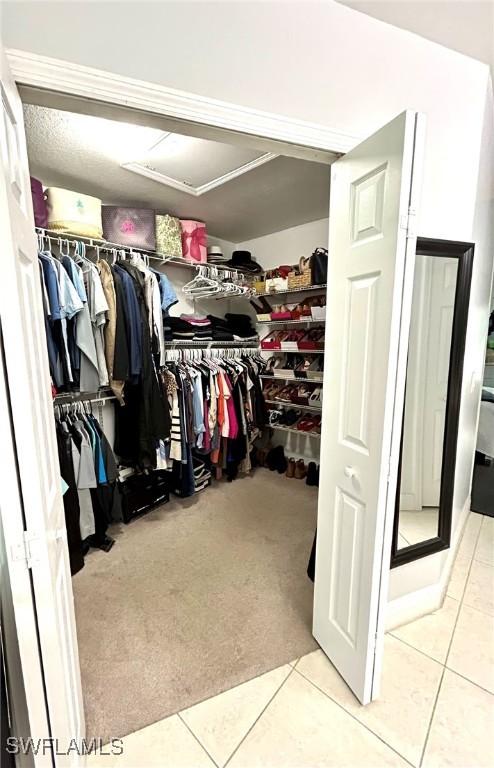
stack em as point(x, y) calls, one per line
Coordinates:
point(436, 706)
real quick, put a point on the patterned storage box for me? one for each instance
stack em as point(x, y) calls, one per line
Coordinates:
point(194, 241)
point(133, 227)
point(71, 212)
point(168, 235)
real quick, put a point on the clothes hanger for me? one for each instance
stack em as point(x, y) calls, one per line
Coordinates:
point(202, 284)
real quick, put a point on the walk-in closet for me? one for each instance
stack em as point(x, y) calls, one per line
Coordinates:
point(205, 329)
point(184, 298)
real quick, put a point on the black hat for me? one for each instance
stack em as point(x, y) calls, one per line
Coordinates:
point(242, 260)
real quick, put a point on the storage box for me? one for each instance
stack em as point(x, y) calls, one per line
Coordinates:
point(132, 227)
point(71, 212)
point(276, 284)
point(293, 344)
point(168, 235)
point(313, 373)
point(281, 315)
point(318, 313)
point(141, 493)
point(263, 318)
point(194, 241)
point(271, 341)
point(299, 281)
point(310, 342)
point(39, 204)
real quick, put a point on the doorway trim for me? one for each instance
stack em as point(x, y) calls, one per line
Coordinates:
point(70, 79)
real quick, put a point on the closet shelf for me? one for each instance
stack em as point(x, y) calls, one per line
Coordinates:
point(254, 344)
point(87, 397)
point(297, 406)
point(107, 246)
point(304, 379)
point(293, 290)
point(293, 351)
point(291, 322)
point(295, 431)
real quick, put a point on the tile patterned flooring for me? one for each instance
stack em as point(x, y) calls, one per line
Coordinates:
point(436, 706)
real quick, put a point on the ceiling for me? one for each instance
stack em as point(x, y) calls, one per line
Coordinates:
point(85, 153)
point(466, 26)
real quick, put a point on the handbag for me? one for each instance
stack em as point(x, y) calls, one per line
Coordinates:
point(133, 227)
point(319, 266)
point(194, 241)
point(71, 212)
point(168, 235)
point(39, 204)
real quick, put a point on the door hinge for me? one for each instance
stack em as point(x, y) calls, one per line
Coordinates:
point(388, 471)
point(408, 222)
point(27, 549)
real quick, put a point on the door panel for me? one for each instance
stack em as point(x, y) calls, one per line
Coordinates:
point(371, 257)
point(35, 439)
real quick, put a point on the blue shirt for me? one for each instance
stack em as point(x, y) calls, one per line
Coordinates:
point(51, 283)
point(167, 291)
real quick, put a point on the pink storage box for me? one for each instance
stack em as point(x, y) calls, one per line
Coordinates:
point(194, 241)
point(271, 341)
point(281, 315)
point(309, 342)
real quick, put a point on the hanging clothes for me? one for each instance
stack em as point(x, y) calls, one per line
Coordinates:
point(217, 409)
point(89, 469)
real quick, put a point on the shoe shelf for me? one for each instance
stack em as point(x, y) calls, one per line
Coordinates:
point(307, 289)
point(295, 431)
point(291, 322)
point(296, 406)
point(303, 379)
point(293, 351)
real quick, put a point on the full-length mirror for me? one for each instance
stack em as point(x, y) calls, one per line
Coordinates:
point(430, 421)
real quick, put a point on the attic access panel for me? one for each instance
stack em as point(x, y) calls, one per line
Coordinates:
point(195, 165)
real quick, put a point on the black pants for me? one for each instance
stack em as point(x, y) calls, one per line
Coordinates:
point(70, 502)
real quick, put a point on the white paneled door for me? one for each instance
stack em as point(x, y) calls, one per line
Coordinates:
point(41, 548)
point(370, 281)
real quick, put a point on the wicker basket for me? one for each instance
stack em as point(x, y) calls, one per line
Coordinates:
point(259, 286)
point(299, 281)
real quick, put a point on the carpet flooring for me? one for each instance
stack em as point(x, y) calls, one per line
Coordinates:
point(195, 597)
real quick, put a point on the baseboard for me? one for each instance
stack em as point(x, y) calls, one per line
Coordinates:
point(414, 605)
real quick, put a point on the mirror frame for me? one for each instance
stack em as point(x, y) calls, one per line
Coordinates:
point(464, 253)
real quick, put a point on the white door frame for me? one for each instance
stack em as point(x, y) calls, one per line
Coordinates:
point(94, 85)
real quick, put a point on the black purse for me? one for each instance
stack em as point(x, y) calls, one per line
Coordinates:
point(319, 266)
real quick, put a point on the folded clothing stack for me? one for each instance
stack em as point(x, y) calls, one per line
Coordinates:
point(241, 327)
point(187, 328)
point(209, 328)
point(232, 328)
point(221, 329)
point(201, 326)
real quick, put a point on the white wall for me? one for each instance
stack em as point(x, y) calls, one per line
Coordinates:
point(467, 27)
point(319, 62)
point(323, 63)
point(287, 246)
